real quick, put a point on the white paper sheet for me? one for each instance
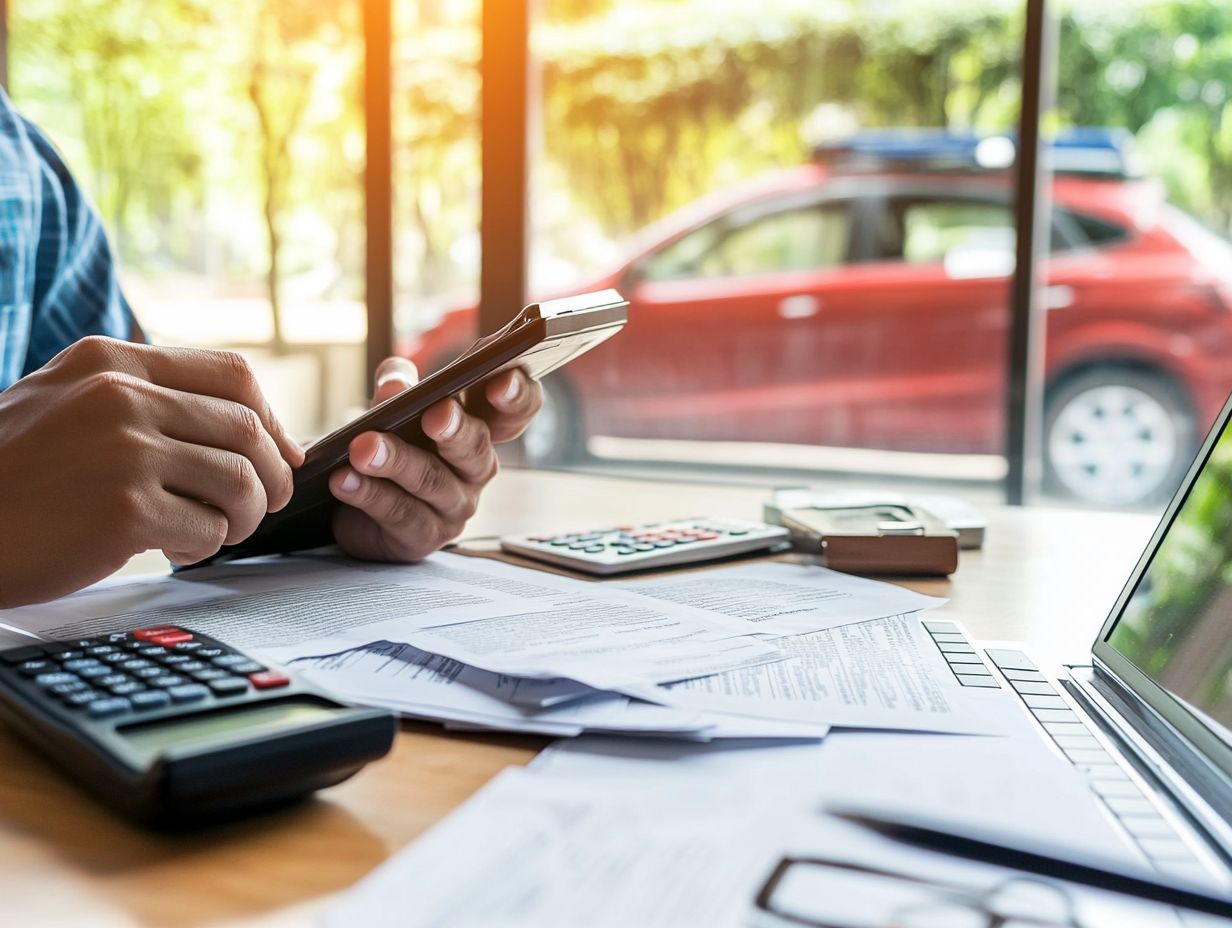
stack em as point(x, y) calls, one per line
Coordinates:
point(531, 852)
point(271, 602)
point(1016, 784)
point(885, 674)
point(606, 640)
point(541, 848)
point(785, 599)
point(427, 686)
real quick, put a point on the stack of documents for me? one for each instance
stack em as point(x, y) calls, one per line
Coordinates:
point(768, 650)
point(664, 835)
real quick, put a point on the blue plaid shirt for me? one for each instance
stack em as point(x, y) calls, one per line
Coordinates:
point(58, 282)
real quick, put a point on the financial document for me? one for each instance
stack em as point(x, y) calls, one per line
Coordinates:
point(785, 599)
point(630, 839)
point(422, 685)
point(885, 674)
point(536, 852)
point(271, 602)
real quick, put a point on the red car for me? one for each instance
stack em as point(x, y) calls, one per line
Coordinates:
point(861, 301)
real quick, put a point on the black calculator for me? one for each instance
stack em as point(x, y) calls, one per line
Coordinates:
point(170, 726)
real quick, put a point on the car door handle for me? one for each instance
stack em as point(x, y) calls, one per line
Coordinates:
point(800, 306)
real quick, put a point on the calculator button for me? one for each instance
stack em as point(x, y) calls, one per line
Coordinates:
point(189, 666)
point(166, 681)
point(558, 542)
point(189, 692)
point(82, 663)
point(84, 643)
point(187, 646)
point(65, 689)
point(84, 698)
point(103, 708)
point(119, 657)
point(665, 543)
point(229, 660)
point(46, 680)
point(247, 667)
point(92, 673)
point(595, 549)
point(136, 663)
point(133, 644)
point(685, 539)
point(173, 659)
point(170, 638)
point(231, 686)
point(153, 631)
point(268, 680)
point(34, 668)
point(69, 655)
point(626, 551)
point(643, 547)
point(18, 655)
point(145, 673)
point(149, 699)
point(117, 638)
point(207, 653)
point(126, 689)
point(151, 650)
point(113, 679)
point(707, 536)
point(100, 649)
point(205, 676)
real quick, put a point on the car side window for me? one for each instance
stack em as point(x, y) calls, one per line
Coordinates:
point(927, 231)
point(792, 240)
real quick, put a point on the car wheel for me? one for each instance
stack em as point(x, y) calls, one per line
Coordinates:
point(554, 436)
point(1117, 437)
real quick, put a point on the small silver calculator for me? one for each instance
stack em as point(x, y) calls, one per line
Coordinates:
point(625, 548)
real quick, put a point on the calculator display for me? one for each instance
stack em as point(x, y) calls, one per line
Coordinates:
point(220, 727)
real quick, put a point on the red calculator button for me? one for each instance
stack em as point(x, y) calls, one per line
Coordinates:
point(268, 679)
point(707, 536)
point(175, 636)
point(149, 634)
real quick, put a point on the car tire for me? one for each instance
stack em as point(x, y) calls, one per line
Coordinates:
point(1116, 436)
point(555, 436)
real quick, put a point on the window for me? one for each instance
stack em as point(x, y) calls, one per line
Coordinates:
point(926, 231)
point(1098, 231)
point(792, 240)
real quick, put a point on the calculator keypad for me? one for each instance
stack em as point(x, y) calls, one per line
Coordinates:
point(628, 539)
point(151, 668)
point(631, 547)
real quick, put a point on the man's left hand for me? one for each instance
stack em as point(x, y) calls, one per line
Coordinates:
point(401, 502)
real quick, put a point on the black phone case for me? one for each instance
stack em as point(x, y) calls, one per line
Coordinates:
point(538, 345)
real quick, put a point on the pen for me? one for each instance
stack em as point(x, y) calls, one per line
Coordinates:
point(1056, 864)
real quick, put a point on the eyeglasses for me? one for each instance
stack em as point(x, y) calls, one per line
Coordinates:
point(824, 893)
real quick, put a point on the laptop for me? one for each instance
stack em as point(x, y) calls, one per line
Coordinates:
point(1148, 720)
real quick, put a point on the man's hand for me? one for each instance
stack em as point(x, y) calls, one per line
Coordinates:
point(402, 502)
point(112, 449)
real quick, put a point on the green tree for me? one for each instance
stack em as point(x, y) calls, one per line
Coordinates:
point(288, 42)
point(118, 76)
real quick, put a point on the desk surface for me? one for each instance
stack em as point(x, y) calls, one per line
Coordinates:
point(1045, 576)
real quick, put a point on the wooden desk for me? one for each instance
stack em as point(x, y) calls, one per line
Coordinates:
point(1045, 576)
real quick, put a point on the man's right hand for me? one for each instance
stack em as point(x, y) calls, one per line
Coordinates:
point(113, 449)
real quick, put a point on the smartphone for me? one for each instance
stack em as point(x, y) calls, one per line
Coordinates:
point(541, 338)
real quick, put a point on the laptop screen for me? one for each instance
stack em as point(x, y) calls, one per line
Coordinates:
point(1176, 626)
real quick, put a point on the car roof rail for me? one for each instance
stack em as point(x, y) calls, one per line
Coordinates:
point(1084, 150)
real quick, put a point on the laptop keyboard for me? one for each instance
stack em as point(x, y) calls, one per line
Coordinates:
point(1136, 812)
point(966, 664)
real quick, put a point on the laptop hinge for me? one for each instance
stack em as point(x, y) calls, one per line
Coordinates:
point(1202, 792)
